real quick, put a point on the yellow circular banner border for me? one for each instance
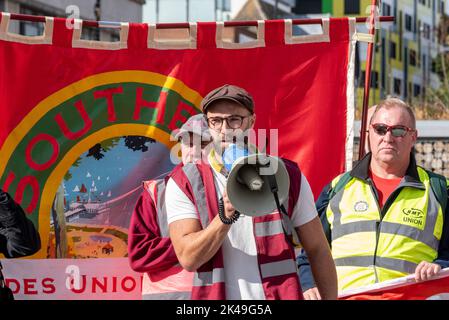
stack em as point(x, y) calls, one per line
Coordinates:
point(86, 84)
point(109, 132)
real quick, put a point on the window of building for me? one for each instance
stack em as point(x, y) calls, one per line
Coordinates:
point(412, 56)
point(426, 31)
point(2, 5)
point(416, 90)
point(29, 28)
point(408, 22)
point(352, 7)
point(386, 9)
point(307, 7)
point(392, 50)
point(362, 79)
point(397, 86)
point(224, 5)
point(424, 63)
point(423, 2)
point(374, 79)
point(115, 35)
point(90, 33)
point(433, 66)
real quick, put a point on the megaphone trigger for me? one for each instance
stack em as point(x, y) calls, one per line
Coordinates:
point(249, 176)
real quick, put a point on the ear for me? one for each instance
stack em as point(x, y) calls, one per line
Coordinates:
point(415, 136)
point(252, 120)
point(367, 145)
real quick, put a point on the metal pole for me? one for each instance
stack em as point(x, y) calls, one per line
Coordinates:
point(276, 3)
point(97, 11)
point(252, 23)
point(215, 11)
point(187, 10)
point(369, 59)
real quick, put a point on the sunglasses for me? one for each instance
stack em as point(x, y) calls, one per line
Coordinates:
point(396, 131)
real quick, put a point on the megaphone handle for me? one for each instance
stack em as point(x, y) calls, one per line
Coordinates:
point(2, 278)
point(222, 216)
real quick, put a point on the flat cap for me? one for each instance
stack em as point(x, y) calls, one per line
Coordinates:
point(229, 92)
point(195, 124)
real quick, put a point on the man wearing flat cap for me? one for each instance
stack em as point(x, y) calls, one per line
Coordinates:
point(235, 256)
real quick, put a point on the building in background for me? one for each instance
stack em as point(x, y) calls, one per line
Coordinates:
point(104, 10)
point(405, 51)
point(404, 61)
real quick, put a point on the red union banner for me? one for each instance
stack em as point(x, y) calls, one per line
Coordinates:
point(405, 288)
point(84, 122)
point(53, 279)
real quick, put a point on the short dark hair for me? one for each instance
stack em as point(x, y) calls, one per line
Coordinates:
point(392, 102)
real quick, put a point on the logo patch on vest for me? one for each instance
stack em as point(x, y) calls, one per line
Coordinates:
point(413, 216)
point(361, 206)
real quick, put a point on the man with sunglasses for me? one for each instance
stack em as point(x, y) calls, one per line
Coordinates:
point(387, 217)
point(236, 256)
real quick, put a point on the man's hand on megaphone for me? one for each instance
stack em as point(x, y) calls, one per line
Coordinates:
point(229, 209)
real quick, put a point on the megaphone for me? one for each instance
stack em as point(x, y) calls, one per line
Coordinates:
point(248, 185)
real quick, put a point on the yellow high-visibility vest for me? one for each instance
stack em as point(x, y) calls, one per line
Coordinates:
point(367, 249)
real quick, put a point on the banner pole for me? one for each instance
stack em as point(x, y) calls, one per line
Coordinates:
point(180, 25)
point(369, 59)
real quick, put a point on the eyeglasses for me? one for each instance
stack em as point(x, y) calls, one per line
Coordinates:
point(396, 131)
point(233, 122)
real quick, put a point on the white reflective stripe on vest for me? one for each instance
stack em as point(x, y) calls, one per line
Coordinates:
point(199, 192)
point(269, 228)
point(174, 281)
point(156, 190)
point(387, 263)
point(161, 211)
point(278, 268)
point(150, 187)
point(353, 227)
point(168, 296)
point(209, 277)
point(273, 227)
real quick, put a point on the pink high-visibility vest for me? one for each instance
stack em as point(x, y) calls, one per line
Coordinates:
point(275, 254)
point(150, 248)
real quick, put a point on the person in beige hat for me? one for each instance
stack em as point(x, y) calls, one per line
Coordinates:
point(194, 137)
point(149, 248)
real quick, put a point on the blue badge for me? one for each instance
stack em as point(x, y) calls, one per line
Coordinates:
point(232, 153)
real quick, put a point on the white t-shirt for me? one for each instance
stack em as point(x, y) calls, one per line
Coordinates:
point(239, 247)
